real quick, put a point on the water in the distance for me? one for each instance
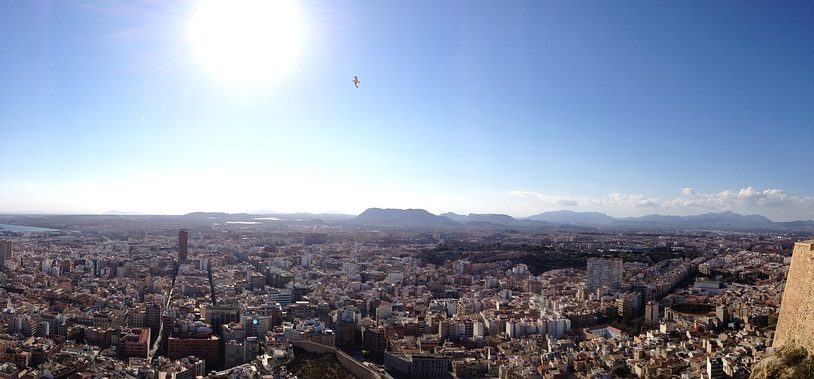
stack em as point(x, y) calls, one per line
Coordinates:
point(25, 229)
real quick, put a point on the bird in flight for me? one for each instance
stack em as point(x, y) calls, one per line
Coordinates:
point(356, 81)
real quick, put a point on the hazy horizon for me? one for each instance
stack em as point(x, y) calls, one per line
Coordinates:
point(351, 215)
point(467, 107)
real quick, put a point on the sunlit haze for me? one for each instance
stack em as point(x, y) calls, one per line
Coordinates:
point(246, 43)
point(170, 107)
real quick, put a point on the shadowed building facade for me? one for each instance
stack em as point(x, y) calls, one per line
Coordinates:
point(183, 245)
point(5, 251)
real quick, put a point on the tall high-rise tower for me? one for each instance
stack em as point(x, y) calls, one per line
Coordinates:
point(651, 312)
point(183, 241)
point(604, 273)
point(5, 251)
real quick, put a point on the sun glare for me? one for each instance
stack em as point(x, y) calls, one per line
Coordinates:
point(246, 42)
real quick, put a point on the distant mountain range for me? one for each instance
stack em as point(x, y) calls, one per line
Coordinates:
point(402, 218)
point(422, 219)
point(575, 218)
point(707, 221)
point(723, 220)
point(493, 218)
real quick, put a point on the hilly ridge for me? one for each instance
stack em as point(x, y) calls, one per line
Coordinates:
point(708, 221)
point(402, 217)
point(500, 219)
point(571, 217)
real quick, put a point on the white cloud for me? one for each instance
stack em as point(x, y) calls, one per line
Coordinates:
point(633, 200)
point(613, 199)
point(772, 202)
point(568, 201)
point(745, 197)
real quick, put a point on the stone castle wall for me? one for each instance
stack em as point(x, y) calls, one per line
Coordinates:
point(796, 319)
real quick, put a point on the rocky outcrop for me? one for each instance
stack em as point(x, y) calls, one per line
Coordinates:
point(791, 361)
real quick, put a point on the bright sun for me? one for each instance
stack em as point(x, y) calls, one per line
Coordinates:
point(247, 43)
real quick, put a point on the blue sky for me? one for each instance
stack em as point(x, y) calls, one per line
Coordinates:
point(522, 107)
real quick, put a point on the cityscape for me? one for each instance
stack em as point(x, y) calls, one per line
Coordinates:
point(319, 189)
point(283, 296)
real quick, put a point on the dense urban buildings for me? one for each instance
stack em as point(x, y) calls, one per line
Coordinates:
point(128, 297)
